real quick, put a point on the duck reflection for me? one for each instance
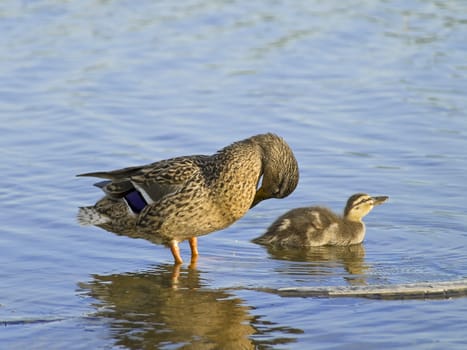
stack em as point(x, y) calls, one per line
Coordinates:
point(171, 306)
point(323, 260)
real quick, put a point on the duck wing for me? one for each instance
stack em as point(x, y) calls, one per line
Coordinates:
point(154, 181)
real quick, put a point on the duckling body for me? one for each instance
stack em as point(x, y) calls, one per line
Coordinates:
point(181, 198)
point(319, 226)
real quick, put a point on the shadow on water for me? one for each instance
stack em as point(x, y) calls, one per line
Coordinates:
point(172, 305)
point(324, 260)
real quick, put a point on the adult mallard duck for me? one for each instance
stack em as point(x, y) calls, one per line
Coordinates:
point(319, 226)
point(173, 200)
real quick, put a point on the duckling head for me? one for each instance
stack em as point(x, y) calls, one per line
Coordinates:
point(279, 168)
point(360, 204)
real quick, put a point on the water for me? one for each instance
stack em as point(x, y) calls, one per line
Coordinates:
point(369, 94)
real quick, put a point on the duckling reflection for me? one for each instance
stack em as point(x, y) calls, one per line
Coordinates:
point(325, 260)
point(172, 305)
point(319, 226)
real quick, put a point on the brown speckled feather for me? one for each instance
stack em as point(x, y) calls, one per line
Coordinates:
point(194, 195)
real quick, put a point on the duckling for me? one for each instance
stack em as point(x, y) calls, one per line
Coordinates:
point(319, 226)
point(181, 198)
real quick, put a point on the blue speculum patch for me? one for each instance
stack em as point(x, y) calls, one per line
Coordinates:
point(136, 201)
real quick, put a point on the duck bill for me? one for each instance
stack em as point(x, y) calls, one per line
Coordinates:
point(259, 196)
point(379, 200)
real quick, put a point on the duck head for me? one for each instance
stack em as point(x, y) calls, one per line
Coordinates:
point(360, 204)
point(279, 168)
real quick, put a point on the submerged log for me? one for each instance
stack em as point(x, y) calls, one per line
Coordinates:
point(425, 290)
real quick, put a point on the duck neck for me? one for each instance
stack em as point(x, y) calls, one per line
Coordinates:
point(354, 229)
point(352, 217)
point(242, 157)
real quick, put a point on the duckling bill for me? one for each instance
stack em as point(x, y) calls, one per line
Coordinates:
point(181, 198)
point(319, 226)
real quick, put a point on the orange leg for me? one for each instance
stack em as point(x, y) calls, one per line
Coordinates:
point(193, 246)
point(175, 249)
point(194, 250)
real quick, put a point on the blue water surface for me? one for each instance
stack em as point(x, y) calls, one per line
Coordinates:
point(369, 94)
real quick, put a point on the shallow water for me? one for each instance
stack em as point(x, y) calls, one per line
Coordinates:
point(371, 97)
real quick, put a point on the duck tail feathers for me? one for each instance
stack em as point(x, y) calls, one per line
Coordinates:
point(90, 216)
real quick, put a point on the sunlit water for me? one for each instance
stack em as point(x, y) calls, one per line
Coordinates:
point(369, 94)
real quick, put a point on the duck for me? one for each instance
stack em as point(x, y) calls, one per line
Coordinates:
point(182, 198)
point(319, 226)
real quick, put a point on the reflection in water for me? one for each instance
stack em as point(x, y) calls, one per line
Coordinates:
point(323, 259)
point(170, 305)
